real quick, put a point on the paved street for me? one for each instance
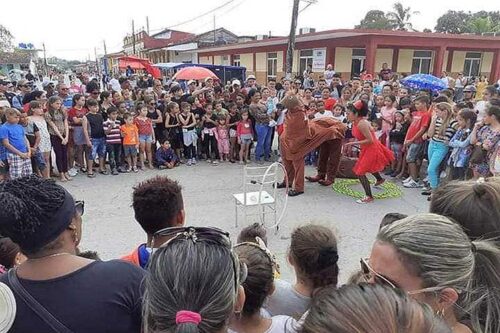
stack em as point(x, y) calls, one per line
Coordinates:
point(110, 229)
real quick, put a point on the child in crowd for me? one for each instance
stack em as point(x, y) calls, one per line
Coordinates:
point(322, 113)
point(258, 285)
point(130, 135)
point(234, 118)
point(339, 113)
point(222, 137)
point(127, 99)
point(146, 135)
point(113, 140)
point(165, 156)
point(37, 116)
point(188, 122)
point(387, 116)
point(93, 130)
point(441, 130)
point(312, 108)
point(249, 234)
point(460, 144)
point(17, 145)
point(414, 144)
point(313, 255)
point(33, 135)
point(209, 123)
point(245, 136)
point(397, 138)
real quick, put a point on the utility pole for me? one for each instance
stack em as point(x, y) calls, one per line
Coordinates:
point(133, 37)
point(215, 37)
point(105, 61)
point(96, 61)
point(45, 60)
point(291, 36)
point(291, 40)
point(147, 24)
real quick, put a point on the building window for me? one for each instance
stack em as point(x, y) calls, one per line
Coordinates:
point(272, 65)
point(225, 60)
point(236, 60)
point(472, 64)
point(306, 60)
point(358, 61)
point(421, 63)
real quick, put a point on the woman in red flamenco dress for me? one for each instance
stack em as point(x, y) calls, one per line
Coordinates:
point(374, 156)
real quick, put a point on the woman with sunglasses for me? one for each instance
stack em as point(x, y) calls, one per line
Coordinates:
point(368, 309)
point(259, 284)
point(374, 156)
point(74, 294)
point(193, 283)
point(433, 260)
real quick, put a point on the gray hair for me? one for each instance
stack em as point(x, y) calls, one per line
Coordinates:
point(369, 308)
point(190, 276)
point(438, 251)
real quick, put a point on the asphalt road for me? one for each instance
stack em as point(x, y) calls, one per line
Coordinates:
point(109, 227)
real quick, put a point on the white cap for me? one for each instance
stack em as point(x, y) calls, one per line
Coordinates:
point(191, 81)
point(7, 307)
point(249, 77)
point(236, 83)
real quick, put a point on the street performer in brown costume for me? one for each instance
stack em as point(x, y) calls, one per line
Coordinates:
point(302, 135)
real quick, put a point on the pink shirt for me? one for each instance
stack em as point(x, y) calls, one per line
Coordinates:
point(387, 113)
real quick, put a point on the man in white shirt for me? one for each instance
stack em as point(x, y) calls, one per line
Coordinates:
point(328, 74)
point(114, 84)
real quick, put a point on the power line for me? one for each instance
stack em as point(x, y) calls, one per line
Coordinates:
point(196, 17)
point(205, 23)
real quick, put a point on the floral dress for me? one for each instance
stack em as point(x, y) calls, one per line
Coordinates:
point(489, 139)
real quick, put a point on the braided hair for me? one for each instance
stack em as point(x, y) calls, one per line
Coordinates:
point(27, 204)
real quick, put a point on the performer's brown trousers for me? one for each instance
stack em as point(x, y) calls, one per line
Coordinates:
point(328, 164)
point(329, 158)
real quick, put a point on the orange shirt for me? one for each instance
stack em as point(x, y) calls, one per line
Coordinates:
point(130, 134)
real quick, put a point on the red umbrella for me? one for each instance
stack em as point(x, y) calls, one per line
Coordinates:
point(194, 73)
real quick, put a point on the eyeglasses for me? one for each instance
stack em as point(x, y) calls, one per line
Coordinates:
point(64, 88)
point(369, 273)
point(208, 235)
point(80, 207)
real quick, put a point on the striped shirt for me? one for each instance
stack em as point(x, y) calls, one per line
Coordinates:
point(448, 133)
point(114, 135)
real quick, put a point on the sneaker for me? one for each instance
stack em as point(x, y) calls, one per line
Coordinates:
point(407, 180)
point(412, 184)
point(426, 188)
point(193, 161)
point(188, 163)
point(209, 161)
point(365, 200)
point(214, 162)
point(73, 172)
point(134, 169)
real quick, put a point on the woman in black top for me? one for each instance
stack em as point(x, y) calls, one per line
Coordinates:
point(172, 127)
point(83, 295)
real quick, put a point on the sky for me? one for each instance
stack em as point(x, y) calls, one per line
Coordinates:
point(71, 30)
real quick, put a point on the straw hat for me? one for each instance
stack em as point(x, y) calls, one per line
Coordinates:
point(7, 308)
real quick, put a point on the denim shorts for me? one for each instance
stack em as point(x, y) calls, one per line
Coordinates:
point(397, 150)
point(129, 150)
point(246, 139)
point(145, 138)
point(414, 152)
point(98, 148)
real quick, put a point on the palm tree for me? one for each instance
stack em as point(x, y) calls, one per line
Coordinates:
point(400, 17)
point(479, 25)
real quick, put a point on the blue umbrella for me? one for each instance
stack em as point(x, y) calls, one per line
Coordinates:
point(423, 82)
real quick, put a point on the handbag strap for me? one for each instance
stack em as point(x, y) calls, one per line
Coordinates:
point(42, 312)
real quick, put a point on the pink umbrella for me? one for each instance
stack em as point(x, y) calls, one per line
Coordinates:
point(194, 73)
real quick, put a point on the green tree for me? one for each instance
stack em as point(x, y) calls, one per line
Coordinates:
point(453, 22)
point(479, 25)
point(401, 16)
point(375, 19)
point(5, 39)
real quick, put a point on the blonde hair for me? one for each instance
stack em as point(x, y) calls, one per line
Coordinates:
point(444, 106)
point(439, 252)
point(367, 308)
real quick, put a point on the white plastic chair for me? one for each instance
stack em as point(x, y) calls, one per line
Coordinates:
point(259, 197)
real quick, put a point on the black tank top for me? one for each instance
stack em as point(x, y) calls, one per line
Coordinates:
point(184, 118)
point(96, 125)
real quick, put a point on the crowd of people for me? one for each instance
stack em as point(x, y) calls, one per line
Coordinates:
point(435, 272)
point(137, 122)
